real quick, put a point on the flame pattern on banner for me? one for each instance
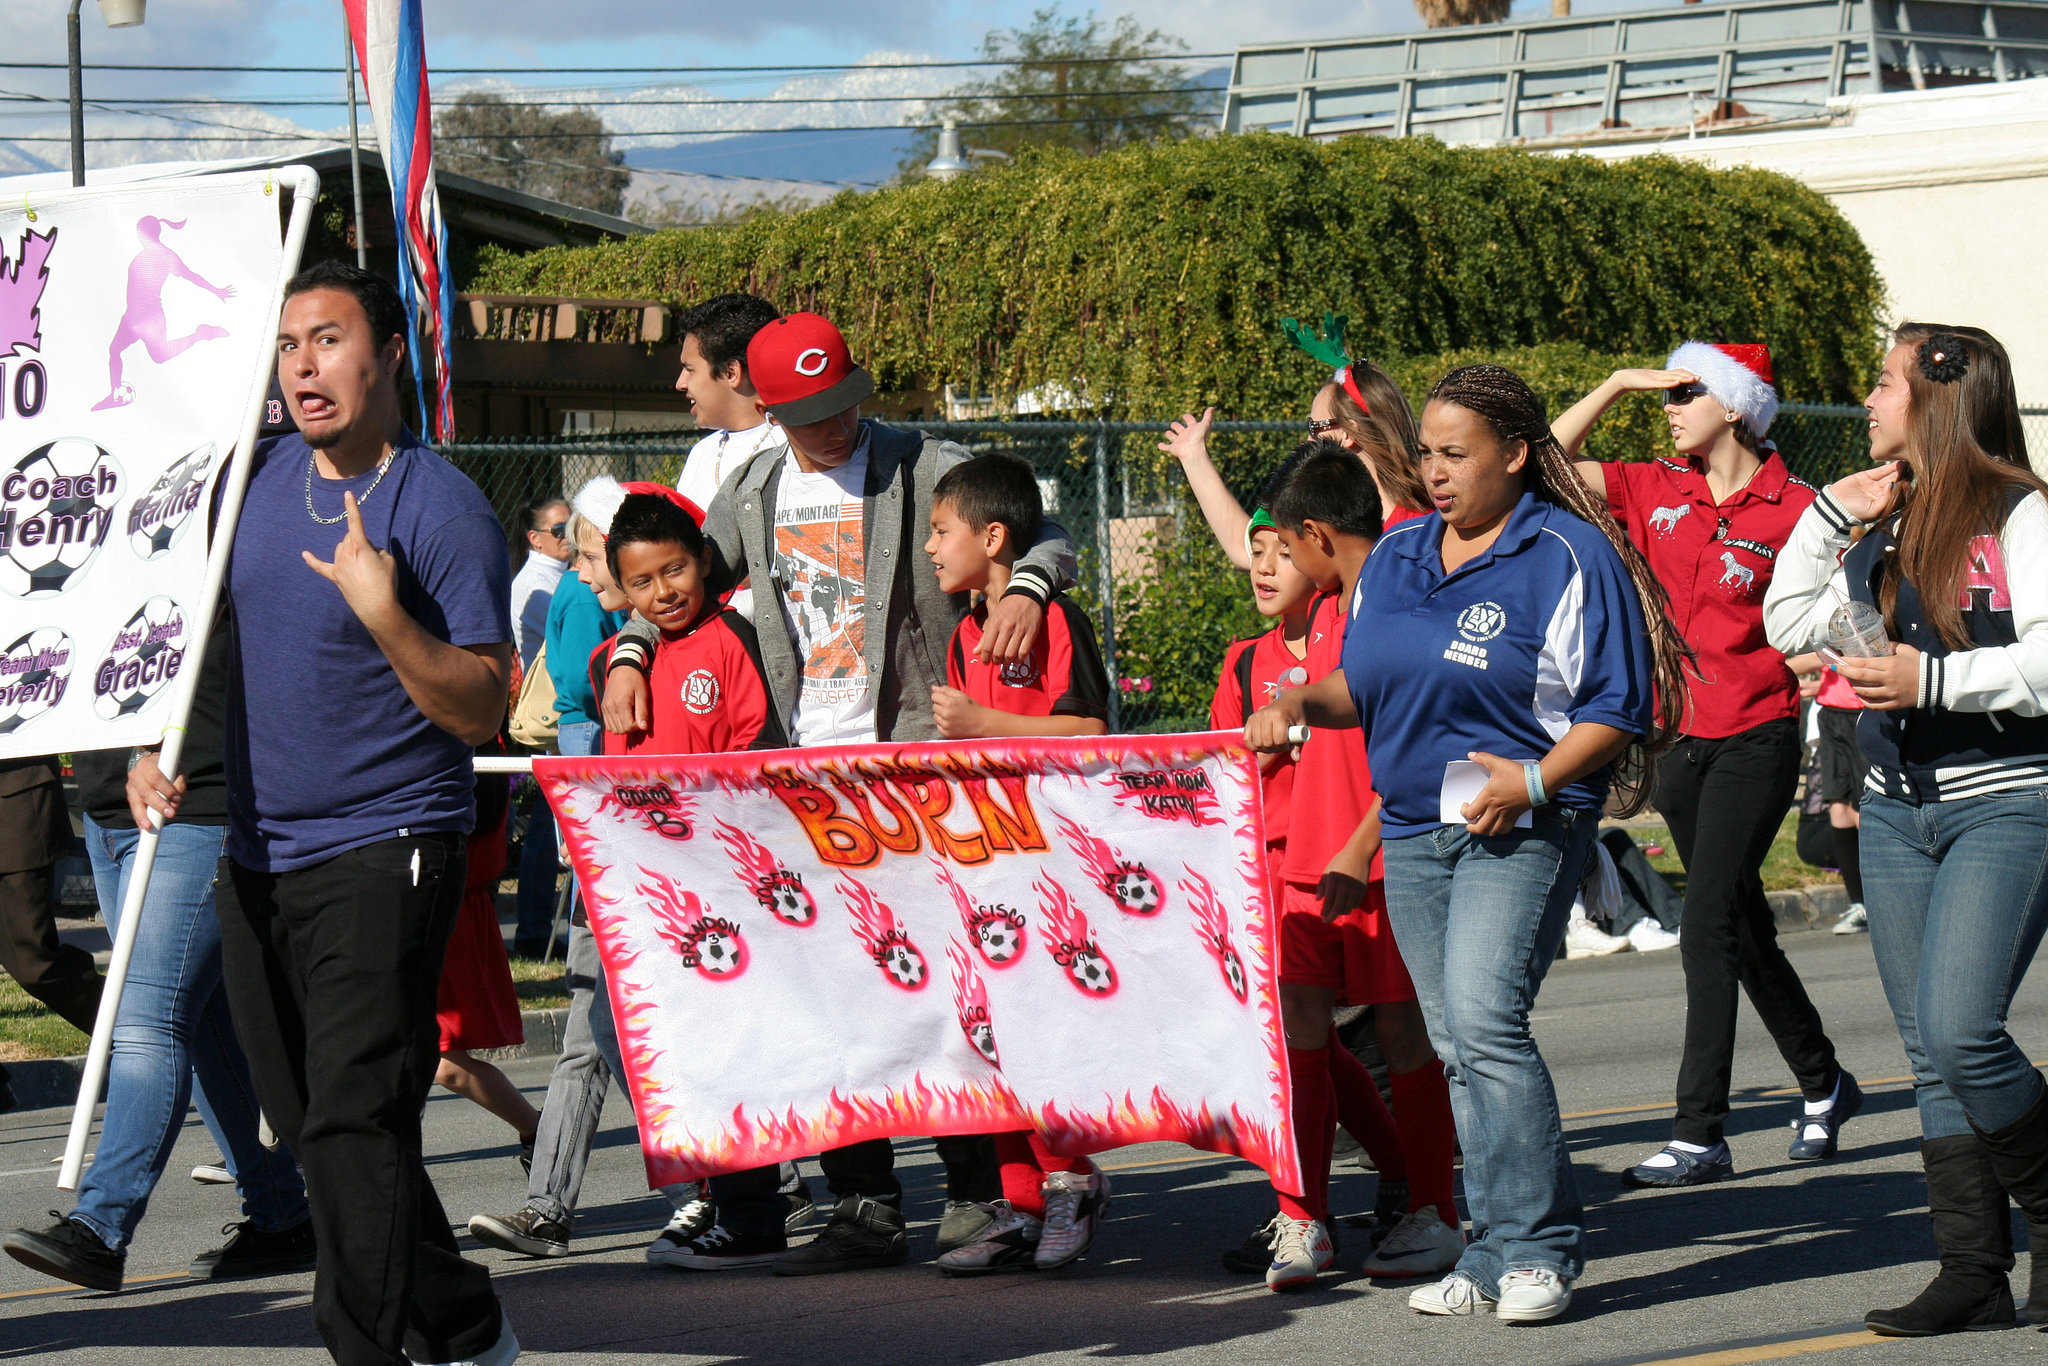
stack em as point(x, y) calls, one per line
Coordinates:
point(1134, 890)
point(1070, 939)
point(884, 937)
point(970, 1000)
point(778, 888)
point(996, 931)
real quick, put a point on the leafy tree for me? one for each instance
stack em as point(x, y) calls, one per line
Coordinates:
point(566, 156)
point(1452, 13)
point(1072, 69)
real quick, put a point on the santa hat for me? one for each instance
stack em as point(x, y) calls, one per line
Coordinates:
point(598, 501)
point(1737, 375)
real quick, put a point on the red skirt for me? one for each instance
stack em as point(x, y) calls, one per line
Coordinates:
point(478, 1007)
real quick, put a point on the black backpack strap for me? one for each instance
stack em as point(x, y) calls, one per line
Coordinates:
point(1244, 680)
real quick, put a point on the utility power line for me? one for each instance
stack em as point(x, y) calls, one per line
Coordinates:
point(300, 102)
point(1042, 62)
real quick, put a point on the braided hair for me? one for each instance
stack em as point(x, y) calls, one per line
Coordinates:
point(1504, 402)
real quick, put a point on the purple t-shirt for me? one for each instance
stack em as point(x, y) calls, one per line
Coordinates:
point(325, 751)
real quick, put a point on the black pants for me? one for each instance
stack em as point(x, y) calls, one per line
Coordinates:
point(752, 1201)
point(1724, 800)
point(33, 828)
point(331, 974)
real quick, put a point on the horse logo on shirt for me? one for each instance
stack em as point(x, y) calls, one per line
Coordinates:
point(1665, 520)
point(1735, 572)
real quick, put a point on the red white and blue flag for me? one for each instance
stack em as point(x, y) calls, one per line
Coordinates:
point(392, 53)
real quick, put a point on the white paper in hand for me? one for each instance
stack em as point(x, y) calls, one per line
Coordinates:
point(1464, 781)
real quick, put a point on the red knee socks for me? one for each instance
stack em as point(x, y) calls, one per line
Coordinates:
point(1363, 1114)
point(1314, 1133)
point(1025, 1160)
point(1422, 1113)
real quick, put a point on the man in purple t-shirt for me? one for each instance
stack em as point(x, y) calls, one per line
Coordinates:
point(372, 650)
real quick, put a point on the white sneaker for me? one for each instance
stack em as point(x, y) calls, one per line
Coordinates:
point(1073, 1205)
point(1301, 1251)
point(1531, 1295)
point(1855, 920)
point(684, 1227)
point(1008, 1244)
point(213, 1174)
point(1584, 939)
point(503, 1352)
point(1456, 1294)
point(1648, 936)
point(1422, 1244)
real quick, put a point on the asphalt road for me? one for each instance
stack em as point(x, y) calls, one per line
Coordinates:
point(1783, 1262)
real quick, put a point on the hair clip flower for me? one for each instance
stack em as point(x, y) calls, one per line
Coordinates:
point(1944, 358)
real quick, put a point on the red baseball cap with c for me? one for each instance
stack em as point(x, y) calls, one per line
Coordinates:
point(800, 367)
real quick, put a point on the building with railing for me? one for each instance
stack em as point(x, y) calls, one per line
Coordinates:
point(1924, 121)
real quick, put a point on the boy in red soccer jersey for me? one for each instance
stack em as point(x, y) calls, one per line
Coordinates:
point(984, 511)
point(1334, 935)
point(1256, 671)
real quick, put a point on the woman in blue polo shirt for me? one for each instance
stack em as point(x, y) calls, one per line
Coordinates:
point(1506, 634)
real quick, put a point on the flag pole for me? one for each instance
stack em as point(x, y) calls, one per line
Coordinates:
point(304, 184)
point(355, 148)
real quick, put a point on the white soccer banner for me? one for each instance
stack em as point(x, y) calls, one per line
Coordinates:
point(808, 948)
point(134, 324)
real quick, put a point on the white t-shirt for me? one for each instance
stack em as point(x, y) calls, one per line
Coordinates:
point(821, 574)
point(533, 588)
point(710, 463)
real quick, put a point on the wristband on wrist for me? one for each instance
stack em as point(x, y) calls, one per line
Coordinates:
point(1532, 774)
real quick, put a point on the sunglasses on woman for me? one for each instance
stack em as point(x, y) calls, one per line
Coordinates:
point(1317, 426)
point(1678, 395)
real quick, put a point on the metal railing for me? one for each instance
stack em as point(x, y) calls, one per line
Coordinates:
point(1127, 509)
point(1714, 66)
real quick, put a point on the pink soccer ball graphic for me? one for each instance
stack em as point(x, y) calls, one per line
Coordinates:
point(787, 900)
point(983, 1037)
point(1092, 973)
point(905, 966)
point(1135, 891)
point(720, 954)
point(1233, 973)
point(999, 940)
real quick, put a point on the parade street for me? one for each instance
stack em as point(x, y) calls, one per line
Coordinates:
point(1781, 1263)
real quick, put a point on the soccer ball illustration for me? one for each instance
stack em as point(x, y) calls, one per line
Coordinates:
point(1000, 936)
point(905, 966)
point(1233, 972)
point(1135, 890)
point(784, 898)
point(982, 1035)
point(157, 520)
point(1092, 972)
point(142, 662)
point(34, 672)
point(56, 506)
point(719, 954)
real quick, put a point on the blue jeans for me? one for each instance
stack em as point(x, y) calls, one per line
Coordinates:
point(1958, 900)
point(173, 1022)
point(1479, 919)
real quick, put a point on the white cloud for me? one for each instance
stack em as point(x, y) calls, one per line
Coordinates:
point(1224, 25)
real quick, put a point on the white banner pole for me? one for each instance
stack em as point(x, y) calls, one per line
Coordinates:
point(490, 764)
point(304, 184)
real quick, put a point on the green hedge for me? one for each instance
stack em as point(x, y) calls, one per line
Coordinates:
point(1152, 279)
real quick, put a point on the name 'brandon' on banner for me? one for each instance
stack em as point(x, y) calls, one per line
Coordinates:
point(900, 809)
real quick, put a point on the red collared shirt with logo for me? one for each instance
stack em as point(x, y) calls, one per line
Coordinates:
point(1270, 668)
point(1715, 562)
point(706, 692)
point(1062, 677)
point(1332, 784)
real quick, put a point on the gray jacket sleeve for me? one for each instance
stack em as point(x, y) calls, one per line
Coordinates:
point(722, 534)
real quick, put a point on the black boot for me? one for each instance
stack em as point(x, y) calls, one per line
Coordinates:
point(2019, 1154)
point(1973, 1234)
point(862, 1234)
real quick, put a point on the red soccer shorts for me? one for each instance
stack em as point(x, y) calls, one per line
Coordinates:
point(1355, 957)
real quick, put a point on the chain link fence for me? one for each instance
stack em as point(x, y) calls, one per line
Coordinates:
point(1164, 598)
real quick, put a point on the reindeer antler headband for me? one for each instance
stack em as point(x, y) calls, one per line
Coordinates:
point(1327, 346)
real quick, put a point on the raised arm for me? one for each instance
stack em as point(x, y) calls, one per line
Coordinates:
point(1188, 442)
point(1572, 426)
point(1807, 585)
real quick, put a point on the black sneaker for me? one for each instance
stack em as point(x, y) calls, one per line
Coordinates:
point(862, 1234)
point(694, 1219)
point(1252, 1256)
point(964, 1224)
point(249, 1251)
point(526, 1156)
point(69, 1251)
point(801, 1211)
point(529, 1231)
point(719, 1248)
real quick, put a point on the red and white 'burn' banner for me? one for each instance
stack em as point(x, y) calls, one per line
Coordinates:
point(809, 948)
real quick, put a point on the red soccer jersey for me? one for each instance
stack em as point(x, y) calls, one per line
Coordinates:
point(1394, 516)
point(706, 690)
point(1332, 784)
point(1063, 677)
point(1270, 668)
point(1715, 562)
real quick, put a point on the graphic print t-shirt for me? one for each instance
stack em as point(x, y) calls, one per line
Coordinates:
point(821, 574)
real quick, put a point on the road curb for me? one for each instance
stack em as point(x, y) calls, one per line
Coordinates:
point(1813, 907)
point(41, 1083)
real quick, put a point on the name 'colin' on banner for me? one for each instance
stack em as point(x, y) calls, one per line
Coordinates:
point(780, 932)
